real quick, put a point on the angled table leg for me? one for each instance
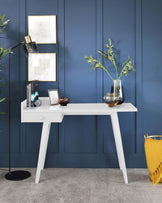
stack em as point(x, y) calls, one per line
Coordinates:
point(43, 149)
point(46, 144)
point(119, 146)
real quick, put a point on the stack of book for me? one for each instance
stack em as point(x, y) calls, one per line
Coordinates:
point(32, 93)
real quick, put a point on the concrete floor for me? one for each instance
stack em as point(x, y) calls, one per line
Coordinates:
point(81, 186)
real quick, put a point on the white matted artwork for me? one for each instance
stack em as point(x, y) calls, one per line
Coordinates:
point(42, 29)
point(42, 66)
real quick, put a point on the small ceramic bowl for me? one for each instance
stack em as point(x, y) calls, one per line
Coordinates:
point(110, 99)
point(63, 101)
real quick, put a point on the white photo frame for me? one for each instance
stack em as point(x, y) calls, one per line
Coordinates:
point(42, 66)
point(42, 29)
point(53, 96)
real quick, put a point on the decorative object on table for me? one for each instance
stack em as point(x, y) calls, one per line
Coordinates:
point(42, 29)
point(31, 47)
point(33, 94)
point(28, 95)
point(153, 151)
point(117, 89)
point(38, 103)
point(3, 50)
point(110, 99)
point(42, 66)
point(121, 69)
point(53, 96)
point(63, 101)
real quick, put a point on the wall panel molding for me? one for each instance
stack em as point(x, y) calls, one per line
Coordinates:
point(119, 25)
point(61, 63)
point(139, 79)
point(80, 83)
point(99, 121)
point(22, 27)
point(82, 27)
point(74, 160)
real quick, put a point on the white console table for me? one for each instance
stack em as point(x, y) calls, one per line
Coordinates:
point(48, 114)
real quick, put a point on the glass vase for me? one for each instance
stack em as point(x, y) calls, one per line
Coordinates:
point(117, 89)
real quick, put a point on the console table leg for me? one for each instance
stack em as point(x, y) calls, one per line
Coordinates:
point(43, 149)
point(46, 144)
point(119, 146)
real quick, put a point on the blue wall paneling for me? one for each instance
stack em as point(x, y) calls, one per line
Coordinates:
point(82, 27)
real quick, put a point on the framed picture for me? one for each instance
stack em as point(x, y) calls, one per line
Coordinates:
point(53, 96)
point(42, 29)
point(42, 66)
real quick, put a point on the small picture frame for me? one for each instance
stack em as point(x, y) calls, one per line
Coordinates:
point(53, 96)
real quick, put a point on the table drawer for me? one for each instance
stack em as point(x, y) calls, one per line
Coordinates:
point(41, 117)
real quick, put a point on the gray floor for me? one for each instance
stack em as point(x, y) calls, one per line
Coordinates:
point(81, 186)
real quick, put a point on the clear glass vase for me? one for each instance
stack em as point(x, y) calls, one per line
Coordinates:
point(117, 89)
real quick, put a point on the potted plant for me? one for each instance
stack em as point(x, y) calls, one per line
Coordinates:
point(3, 51)
point(121, 69)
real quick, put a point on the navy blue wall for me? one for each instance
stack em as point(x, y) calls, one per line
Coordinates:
point(82, 27)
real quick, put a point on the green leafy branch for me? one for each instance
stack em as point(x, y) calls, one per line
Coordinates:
point(3, 50)
point(3, 23)
point(127, 66)
point(97, 64)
